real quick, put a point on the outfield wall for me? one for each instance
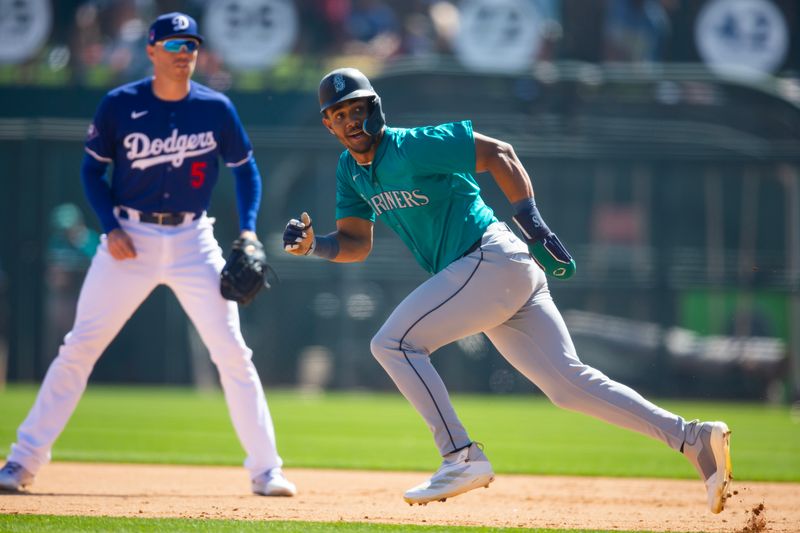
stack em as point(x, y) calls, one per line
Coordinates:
point(677, 193)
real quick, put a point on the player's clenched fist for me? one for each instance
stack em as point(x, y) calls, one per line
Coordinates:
point(298, 237)
point(120, 244)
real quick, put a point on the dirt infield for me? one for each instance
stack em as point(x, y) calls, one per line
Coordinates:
point(357, 496)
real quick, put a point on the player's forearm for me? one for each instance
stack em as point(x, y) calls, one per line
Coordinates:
point(98, 192)
point(248, 193)
point(510, 175)
point(350, 249)
point(351, 242)
point(512, 179)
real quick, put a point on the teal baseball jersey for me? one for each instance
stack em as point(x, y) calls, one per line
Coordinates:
point(420, 184)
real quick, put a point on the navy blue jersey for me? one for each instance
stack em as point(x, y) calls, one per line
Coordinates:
point(166, 154)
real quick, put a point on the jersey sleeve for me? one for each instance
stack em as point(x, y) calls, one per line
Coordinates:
point(235, 146)
point(101, 134)
point(444, 149)
point(348, 202)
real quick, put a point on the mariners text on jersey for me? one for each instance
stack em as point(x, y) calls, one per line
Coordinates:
point(420, 183)
point(388, 200)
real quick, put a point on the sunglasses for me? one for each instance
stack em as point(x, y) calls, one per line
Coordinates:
point(180, 45)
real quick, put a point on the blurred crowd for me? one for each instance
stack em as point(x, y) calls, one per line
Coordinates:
point(100, 42)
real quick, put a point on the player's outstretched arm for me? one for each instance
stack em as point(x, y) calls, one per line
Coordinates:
point(350, 243)
point(500, 160)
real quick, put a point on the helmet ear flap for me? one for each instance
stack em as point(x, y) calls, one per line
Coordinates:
point(376, 119)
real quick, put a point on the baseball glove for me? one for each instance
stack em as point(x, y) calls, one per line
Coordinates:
point(245, 272)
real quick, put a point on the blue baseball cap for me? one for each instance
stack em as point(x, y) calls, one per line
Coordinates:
point(173, 25)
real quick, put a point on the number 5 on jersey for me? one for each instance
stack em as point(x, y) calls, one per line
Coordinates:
point(198, 174)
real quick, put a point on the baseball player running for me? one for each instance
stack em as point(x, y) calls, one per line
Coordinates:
point(420, 182)
point(164, 136)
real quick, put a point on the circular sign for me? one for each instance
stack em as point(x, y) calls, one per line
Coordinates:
point(24, 28)
point(498, 35)
point(251, 33)
point(743, 38)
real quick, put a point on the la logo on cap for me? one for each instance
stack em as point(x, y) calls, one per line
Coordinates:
point(180, 23)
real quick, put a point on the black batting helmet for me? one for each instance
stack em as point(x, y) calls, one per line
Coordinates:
point(349, 83)
point(343, 84)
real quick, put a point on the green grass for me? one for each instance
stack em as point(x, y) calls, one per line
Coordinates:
point(69, 524)
point(522, 434)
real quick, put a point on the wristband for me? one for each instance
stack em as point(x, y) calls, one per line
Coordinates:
point(530, 220)
point(325, 247)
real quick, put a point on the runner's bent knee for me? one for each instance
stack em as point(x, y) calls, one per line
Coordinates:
point(384, 348)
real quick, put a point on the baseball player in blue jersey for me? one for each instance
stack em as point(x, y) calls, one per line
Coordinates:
point(420, 182)
point(165, 136)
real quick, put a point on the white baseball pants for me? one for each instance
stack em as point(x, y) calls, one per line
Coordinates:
point(188, 259)
point(500, 291)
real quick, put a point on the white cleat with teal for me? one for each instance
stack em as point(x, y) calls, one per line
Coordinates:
point(708, 448)
point(461, 471)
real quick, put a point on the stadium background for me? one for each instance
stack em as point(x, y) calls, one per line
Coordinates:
point(663, 138)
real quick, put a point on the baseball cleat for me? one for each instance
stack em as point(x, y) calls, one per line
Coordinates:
point(460, 472)
point(708, 448)
point(14, 477)
point(273, 483)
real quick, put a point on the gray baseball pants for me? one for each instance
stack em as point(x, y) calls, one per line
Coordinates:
point(500, 291)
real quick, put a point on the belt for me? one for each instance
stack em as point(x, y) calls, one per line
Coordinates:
point(162, 219)
point(475, 245)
